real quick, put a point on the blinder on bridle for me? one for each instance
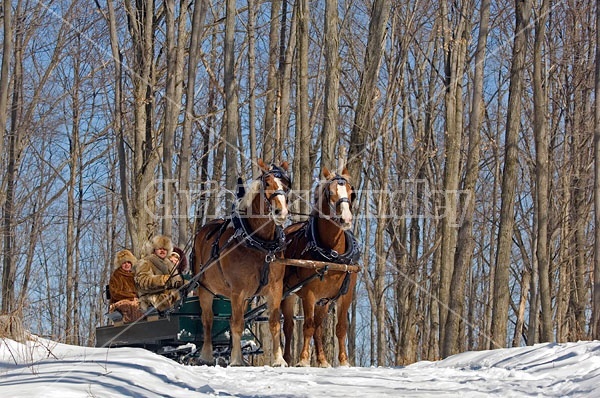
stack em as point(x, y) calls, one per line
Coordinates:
point(281, 174)
point(341, 181)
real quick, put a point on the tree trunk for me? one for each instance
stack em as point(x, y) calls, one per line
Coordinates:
point(596, 288)
point(185, 202)
point(466, 242)
point(12, 167)
point(301, 165)
point(251, 32)
point(332, 81)
point(175, 45)
point(455, 46)
point(7, 53)
point(145, 157)
point(268, 150)
point(542, 173)
point(285, 82)
point(231, 101)
point(380, 14)
point(501, 290)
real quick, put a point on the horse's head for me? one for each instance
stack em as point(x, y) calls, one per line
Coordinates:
point(334, 197)
point(274, 184)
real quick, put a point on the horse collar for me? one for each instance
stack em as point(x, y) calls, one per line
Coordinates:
point(351, 256)
point(244, 234)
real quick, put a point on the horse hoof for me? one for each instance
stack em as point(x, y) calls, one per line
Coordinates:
point(203, 361)
point(324, 364)
point(280, 364)
point(303, 364)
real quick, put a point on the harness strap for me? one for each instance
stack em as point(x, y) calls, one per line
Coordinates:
point(351, 256)
point(343, 290)
point(243, 233)
point(264, 273)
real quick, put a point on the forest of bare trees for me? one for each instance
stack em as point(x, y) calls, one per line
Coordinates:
point(471, 130)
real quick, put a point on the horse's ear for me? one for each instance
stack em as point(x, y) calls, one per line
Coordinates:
point(262, 165)
point(326, 173)
point(285, 165)
point(345, 171)
point(241, 191)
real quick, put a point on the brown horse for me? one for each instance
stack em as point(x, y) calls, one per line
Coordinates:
point(326, 237)
point(234, 258)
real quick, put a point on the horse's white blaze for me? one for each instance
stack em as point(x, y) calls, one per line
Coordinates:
point(346, 215)
point(281, 200)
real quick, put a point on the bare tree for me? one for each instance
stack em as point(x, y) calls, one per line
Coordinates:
point(542, 143)
point(251, 29)
point(198, 16)
point(509, 180)
point(332, 83)
point(176, 40)
point(269, 139)
point(7, 53)
point(596, 272)
point(141, 198)
point(20, 118)
point(231, 99)
point(466, 242)
point(380, 14)
point(301, 166)
point(455, 38)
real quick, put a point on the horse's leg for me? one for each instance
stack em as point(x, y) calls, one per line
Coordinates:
point(320, 314)
point(236, 325)
point(206, 300)
point(287, 307)
point(341, 329)
point(274, 308)
point(308, 329)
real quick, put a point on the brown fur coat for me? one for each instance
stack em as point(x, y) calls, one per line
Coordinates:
point(121, 286)
point(151, 276)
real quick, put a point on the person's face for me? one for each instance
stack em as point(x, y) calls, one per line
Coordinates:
point(173, 259)
point(126, 266)
point(161, 252)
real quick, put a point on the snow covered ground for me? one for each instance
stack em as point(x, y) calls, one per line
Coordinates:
point(43, 368)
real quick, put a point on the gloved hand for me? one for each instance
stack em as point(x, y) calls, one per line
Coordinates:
point(175, 282)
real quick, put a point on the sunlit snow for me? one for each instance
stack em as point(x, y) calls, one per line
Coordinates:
point(42, 368)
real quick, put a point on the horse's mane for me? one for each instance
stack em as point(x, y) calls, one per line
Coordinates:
point(252, 189)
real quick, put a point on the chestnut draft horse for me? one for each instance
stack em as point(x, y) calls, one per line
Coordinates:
point(234, 257)
point(326, 237)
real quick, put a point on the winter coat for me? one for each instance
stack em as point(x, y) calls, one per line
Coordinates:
point(122, 285)
point(151, 276)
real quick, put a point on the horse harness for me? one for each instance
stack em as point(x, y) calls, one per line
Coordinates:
point(319, 253)
point(327, 193)
point(244, 234)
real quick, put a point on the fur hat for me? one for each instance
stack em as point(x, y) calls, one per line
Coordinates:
point(160, 242)
point(122, 256)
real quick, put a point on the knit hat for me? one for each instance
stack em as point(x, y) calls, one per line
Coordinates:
point(161, 242)
point(123, 256)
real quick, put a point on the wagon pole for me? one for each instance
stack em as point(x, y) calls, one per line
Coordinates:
point(318, 265)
